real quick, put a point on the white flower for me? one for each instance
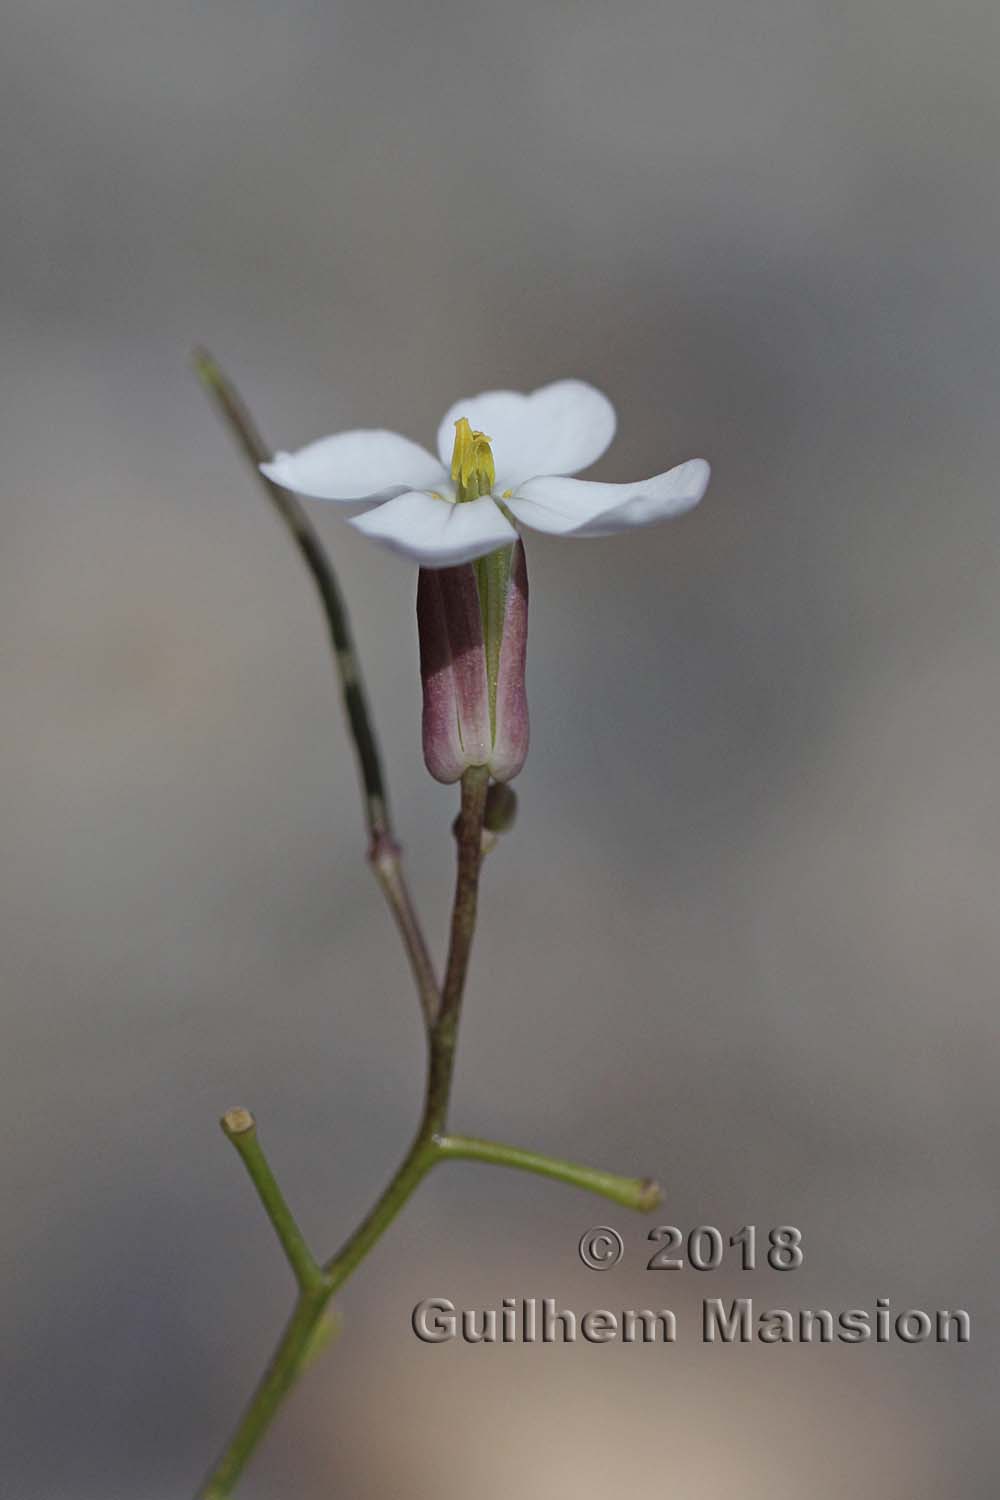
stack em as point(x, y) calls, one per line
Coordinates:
point(462, 505)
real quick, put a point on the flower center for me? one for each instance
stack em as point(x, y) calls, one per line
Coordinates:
point(472, 467)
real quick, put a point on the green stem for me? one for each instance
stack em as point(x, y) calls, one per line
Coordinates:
point(293, 1350)
point(411, 1171)
point(240, 1127)
point(286, 1363)
point(298, 1339)
point(639, 1193)
point(384, 852)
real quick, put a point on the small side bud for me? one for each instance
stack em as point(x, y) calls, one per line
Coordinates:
point(501, 808)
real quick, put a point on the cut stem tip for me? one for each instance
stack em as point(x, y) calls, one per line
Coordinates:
point(237, 1121)
point(650, 1196)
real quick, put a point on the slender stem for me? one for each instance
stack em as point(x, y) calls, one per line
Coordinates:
point(414, 1167)
point(286, 1363)
point(293, 1349)
point(425, 1150)
point(639, 1193)
point(289, 507)
point(444, 1037)
point(299, 1337)
point(384, 853)
point(385, 857)
point(240, 1127)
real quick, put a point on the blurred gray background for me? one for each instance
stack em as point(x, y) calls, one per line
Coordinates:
point(744, 936)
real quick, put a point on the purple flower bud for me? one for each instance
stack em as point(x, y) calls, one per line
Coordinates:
point(469, 719)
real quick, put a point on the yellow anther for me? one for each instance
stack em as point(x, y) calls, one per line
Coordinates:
point(472, 468)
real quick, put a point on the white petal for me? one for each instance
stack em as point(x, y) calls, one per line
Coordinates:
point(436, 533)
point(556, 430)
point(363, 465)
point(578, 507)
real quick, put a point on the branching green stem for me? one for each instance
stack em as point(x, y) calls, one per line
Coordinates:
point(240, 1127)
point(442, 1006)
point(314, 1295)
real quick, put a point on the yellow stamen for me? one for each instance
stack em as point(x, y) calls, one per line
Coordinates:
point(472, 466)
